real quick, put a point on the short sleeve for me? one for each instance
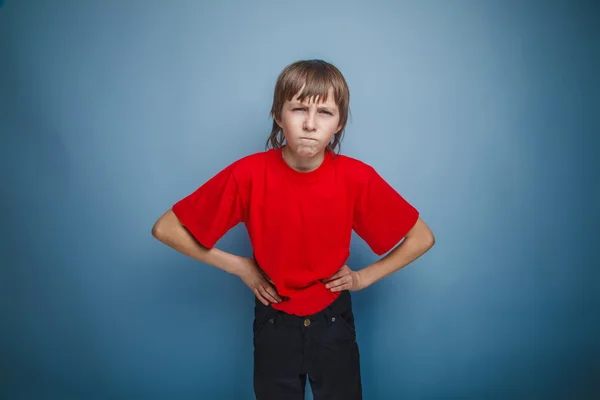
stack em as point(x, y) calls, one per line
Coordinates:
point(212, 209)
point(382, 217)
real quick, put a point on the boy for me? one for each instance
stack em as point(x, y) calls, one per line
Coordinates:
point(300, 201)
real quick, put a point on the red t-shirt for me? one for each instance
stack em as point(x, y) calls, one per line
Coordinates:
point(299, 223)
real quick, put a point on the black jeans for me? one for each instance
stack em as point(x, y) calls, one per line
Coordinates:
point(322, 346)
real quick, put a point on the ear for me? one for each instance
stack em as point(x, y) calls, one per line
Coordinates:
point(278, 122)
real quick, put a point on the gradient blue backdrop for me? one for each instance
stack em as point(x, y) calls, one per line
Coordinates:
point(484, 115)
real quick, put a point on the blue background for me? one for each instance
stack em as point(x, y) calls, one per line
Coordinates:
point(484, 115)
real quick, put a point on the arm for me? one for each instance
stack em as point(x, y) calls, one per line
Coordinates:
point(416, 243)
point(169, 230)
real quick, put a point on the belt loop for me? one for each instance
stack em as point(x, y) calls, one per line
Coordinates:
point(275, 318)
point(338, 306)
point(328, 313)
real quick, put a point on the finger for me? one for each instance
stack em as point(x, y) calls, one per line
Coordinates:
point(266, 294)
point(337, 275)
point(338, 282)
point(334, 283)
point(346, 281)
point(345, 270)
point(260, 297)
point(273, 292)
point(346, 286)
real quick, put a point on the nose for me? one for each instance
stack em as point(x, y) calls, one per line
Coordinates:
point(309, 122)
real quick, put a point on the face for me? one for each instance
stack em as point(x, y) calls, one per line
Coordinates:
point(309, 126)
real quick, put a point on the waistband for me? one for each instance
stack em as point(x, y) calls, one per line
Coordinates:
point(338, 306)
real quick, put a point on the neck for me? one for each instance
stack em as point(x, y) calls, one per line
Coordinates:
point(302, 164)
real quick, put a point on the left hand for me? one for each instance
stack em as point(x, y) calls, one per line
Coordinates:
point(344, 279)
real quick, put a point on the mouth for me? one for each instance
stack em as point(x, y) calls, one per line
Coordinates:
point(307, 138)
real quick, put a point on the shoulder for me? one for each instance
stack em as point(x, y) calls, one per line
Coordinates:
point(248, 166)
point(353, 168)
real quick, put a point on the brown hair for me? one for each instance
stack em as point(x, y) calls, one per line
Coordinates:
point(317, 77)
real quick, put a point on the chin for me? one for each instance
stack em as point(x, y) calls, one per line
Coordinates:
point(307, 151)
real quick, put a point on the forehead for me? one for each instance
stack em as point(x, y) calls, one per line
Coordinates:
point(327, 98)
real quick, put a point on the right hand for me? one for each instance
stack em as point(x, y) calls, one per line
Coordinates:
point(262, 287)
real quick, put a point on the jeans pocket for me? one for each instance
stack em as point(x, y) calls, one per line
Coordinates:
point(346, 319)
point(263, 316)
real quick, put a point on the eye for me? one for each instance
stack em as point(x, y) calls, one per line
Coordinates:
point(326, 112)
point(299, 109)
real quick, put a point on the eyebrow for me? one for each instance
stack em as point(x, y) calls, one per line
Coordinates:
point(298, 104)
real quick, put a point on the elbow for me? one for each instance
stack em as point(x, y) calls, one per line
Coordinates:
point(423, 241)
point(165, 225)
point(422, 235)
point(426, 237)
point(156, 230)
point(429, 240)
point(159, 227)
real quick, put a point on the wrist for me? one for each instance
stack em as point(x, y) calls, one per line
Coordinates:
point(238, 265)
point(362, 279)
